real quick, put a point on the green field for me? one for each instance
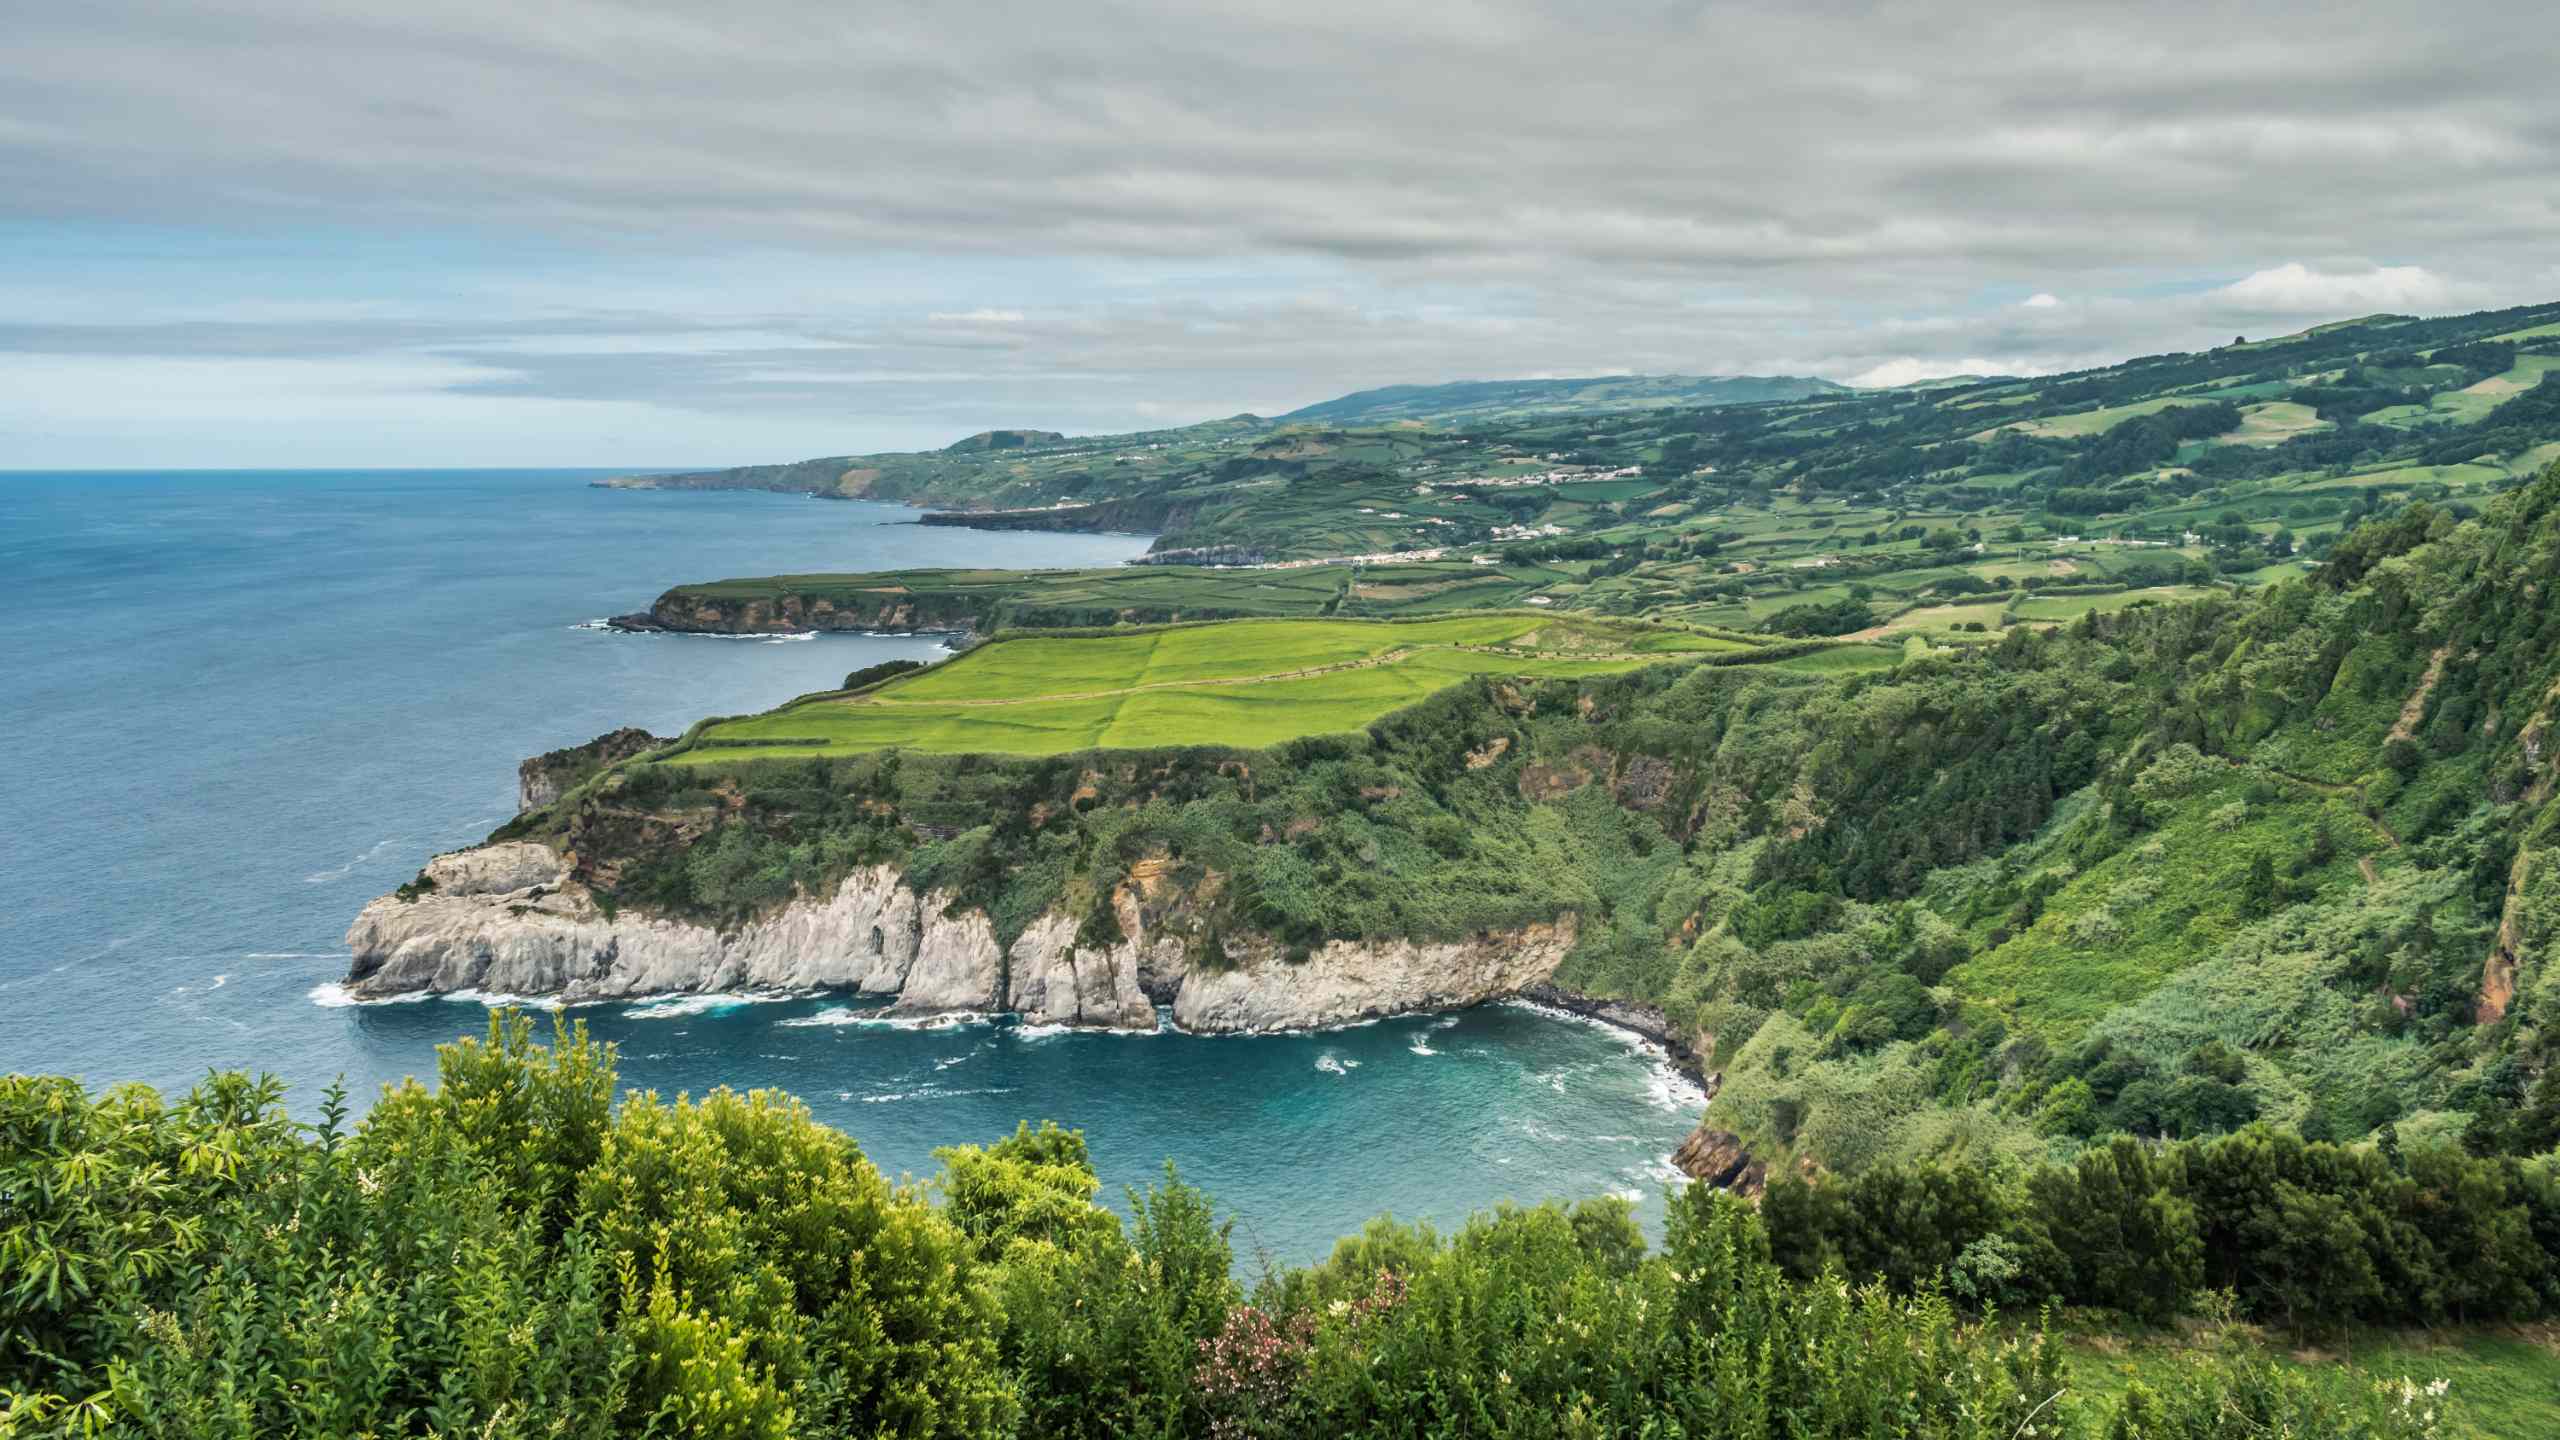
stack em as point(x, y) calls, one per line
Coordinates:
point(2094, 422)
point(2072, 607)
point(1245, 684)
point(2274, 423)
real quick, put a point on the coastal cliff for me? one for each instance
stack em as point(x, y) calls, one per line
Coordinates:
point(545, 778)
point(888, 610)
point(512, 918)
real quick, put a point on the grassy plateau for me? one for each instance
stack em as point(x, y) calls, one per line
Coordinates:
point(1243, 684)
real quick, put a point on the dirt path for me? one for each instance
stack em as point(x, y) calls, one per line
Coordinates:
point(2415, 708)
point(2334, 789)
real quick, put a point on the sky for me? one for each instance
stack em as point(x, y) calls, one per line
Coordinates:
point(594, 232)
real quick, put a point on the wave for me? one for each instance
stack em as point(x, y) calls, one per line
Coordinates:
point(1333, 1064)
point(334, 995)
point(847, 1015)
point(677, 1007)
point(771, 637)
point(1422, 1042)
point(599, 623)
point(1666, 1084)
point(497, 1000)
point(1669, 1088)
point(323, 877)
point(1660, 1171)
point(293, 955)
point(1301, 1032)
point(1051, 1031)
point(922, 1092)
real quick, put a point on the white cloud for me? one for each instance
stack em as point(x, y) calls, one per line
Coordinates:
point(1908, 369)
point(2041, 300)
point(2296, 289)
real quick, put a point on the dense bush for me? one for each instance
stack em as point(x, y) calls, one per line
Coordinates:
point(512, 1254)
point(2305, 1234)
point(1824, 617)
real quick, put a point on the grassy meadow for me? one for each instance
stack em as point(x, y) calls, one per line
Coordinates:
point(1242, 683)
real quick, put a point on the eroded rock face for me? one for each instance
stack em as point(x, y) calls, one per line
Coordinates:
point(1260, 988)
point(1717, 1157)
point(545, 778)
point(1056, 982)
point(511, 919)
point(505, 919)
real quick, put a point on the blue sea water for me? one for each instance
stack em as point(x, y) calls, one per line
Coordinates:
point(239, 705)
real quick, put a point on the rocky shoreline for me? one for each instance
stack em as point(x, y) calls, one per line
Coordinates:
point(512, 918)
point(679, 612)
point(1645, 1021)
point(1715, 1156)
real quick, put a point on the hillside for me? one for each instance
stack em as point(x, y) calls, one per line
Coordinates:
point(1513, 399)
point(2167, 867)
point(2129, 751)
point(2246, 459)
point(2051, 571)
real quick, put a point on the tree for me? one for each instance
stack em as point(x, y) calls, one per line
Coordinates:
point(2260, 893)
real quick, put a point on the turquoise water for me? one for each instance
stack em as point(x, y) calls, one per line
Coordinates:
point(244, 704)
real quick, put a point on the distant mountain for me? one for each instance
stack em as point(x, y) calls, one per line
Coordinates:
point(986, 440)
point(1489, 399)
point(1951, 382)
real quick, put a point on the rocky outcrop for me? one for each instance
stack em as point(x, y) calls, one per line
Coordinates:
point(1053, 981)
point(545, 778)
point(508, 919)
point(885, 609)
point(1259, 987)
point(1717, 1157)
point(512, 919)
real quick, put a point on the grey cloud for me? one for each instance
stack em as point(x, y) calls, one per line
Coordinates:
point(1929, 139)
point(1486, 188)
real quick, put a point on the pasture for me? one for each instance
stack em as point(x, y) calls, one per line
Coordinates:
point(2091, 422)
point(1245, 684)
point(2274, 422)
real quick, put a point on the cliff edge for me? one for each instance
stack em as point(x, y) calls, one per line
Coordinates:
point(512, 918)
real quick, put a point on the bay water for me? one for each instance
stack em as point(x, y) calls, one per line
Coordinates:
point(241, 704)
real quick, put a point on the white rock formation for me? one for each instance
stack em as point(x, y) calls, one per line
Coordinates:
point(1346, 981)
point(509, 919)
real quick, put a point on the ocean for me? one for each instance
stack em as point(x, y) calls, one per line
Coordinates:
point(245, 703)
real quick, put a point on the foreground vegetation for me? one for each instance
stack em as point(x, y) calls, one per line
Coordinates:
point(514, 1253)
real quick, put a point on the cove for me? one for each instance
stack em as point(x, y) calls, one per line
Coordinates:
point(246, 703)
